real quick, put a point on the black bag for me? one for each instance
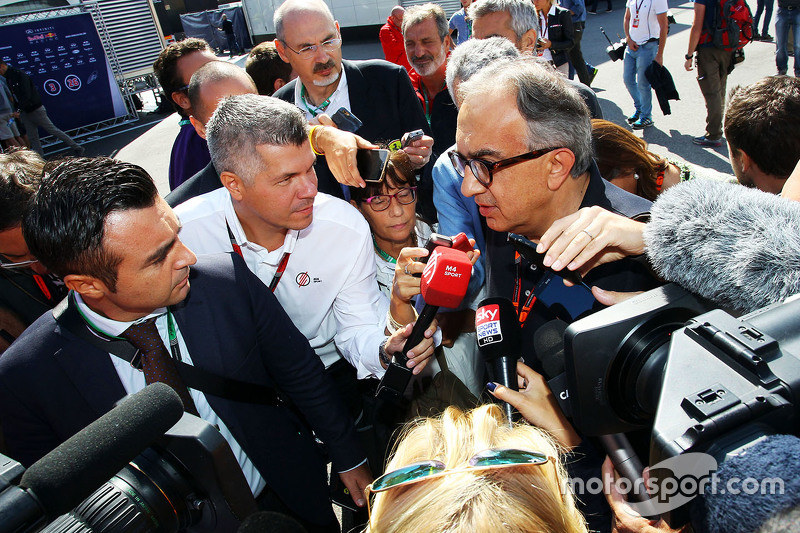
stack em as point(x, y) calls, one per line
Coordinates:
point(615, 51)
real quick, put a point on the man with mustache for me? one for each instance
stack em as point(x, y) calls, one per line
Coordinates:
point(379, 93)
point(427, 40)
point(135, 287)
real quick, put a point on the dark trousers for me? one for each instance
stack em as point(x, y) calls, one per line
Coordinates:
point(593, 7)
point(576, 56)
point(765, 7)
point(269, 501)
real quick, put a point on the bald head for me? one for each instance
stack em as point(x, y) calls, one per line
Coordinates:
point(397, 15)
point(214, 81)
point(294, 9)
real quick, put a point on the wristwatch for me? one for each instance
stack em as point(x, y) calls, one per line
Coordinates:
point(688, 57)
point(384, 357)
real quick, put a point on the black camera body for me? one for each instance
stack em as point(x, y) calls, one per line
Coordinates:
point(702, 379)
point(187, 481)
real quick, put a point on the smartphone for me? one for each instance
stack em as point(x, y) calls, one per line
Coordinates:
point(434, 242)
point(412, 136)
point(371, 164)
point(527, 249)
point(461, 242)
point(346, 121)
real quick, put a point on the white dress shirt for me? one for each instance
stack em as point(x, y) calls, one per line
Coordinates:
point(328, 289)
point(133, 380)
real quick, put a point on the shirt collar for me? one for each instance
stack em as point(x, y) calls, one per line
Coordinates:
point(340, 89)
point(112, 328)
point(241, 239)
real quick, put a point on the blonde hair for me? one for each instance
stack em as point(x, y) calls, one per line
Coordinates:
point(520, 499)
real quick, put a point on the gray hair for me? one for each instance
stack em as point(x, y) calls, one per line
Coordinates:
point(243, 122)
point(300, 5)
point(210, 73)
point(417, 14)
point(474, 55)
point(523, 14)
point(555, 112)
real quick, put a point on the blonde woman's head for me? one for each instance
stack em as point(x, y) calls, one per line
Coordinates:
point(525, 498)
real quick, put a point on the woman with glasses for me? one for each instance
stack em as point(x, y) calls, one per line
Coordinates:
point(473, 472)
point(399, 236)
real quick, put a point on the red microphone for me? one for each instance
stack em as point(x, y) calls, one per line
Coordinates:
point(444, 284)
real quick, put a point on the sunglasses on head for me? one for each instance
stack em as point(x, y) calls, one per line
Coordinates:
point(490, 459)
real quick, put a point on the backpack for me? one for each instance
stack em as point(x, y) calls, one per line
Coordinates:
point(733, 27)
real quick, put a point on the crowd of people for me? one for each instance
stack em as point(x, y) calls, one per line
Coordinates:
point(274, 266)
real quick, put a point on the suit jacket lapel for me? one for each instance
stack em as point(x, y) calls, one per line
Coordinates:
point(90, 370)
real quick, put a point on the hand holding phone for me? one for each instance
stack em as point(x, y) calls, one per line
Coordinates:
point(412, 136)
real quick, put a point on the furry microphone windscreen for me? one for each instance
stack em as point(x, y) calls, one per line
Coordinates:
point(738, 247)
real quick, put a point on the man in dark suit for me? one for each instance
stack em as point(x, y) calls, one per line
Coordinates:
point(379, 93)
point(101, 225)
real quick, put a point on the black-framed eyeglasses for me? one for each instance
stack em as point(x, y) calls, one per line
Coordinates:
point(5, 263)
point(482, 169)
point(307, 52)
point(381, 202)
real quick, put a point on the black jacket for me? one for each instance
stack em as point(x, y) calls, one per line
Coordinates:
point(24, 90)
point(561, 33)
point(661, 80)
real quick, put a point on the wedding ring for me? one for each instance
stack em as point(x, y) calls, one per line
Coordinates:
point(587, 233)
point(406, 271)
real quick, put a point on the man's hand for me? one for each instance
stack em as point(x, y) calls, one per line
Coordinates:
point(340, 148)
point(688, 65)
point(632, 44)
point(355, 480)
point(590, 237)
point(625, 519)
point(419, 151)
point(420, 354)
point(536, 403)
point(659, 59)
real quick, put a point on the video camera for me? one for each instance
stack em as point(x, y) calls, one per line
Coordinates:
point(188, 480)
point(702, 379)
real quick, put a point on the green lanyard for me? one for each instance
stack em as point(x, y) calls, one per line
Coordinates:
point(383, 255)
point(314, 110)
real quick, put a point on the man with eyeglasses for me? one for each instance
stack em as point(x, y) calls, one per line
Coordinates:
point(377, 92)
point(527, 163)
point(27, 288)
point(174, 68)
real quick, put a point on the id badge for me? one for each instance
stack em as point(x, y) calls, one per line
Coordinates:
point(635, 23)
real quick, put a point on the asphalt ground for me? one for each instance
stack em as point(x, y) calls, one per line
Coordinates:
point(148, 141)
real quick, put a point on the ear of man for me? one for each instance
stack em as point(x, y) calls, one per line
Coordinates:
point(89, 287)
point(559, 168)
point(528, 41)
point(199, 127)
point(234, 184)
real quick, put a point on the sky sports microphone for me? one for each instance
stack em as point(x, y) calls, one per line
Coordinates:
point(500, 342)
point(444, 284)
point(738, 247)
point(76, 468)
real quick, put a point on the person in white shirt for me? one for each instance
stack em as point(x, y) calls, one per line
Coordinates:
point(646, 30)
point(313, 250)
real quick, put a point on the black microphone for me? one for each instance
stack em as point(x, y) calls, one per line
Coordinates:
point(76, 468)
point(738, 247)
point(500, 342)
